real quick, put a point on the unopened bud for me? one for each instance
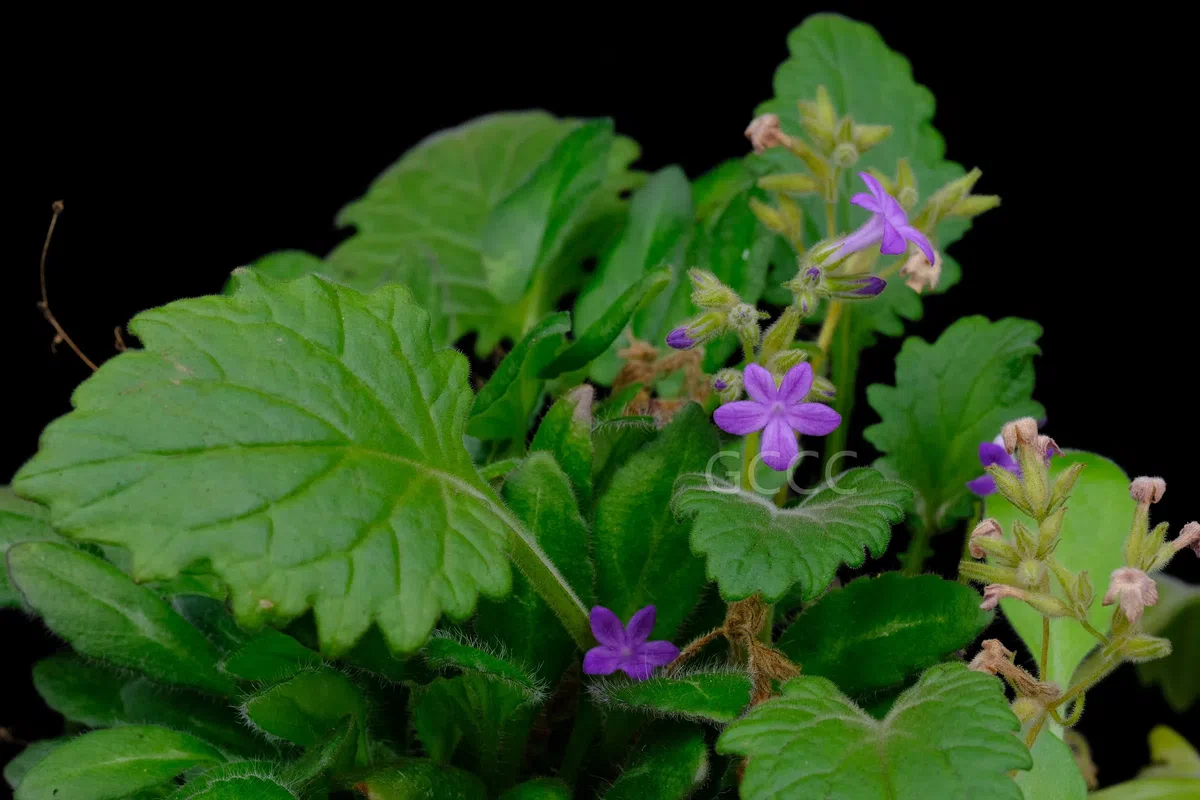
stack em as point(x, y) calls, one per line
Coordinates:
point(771, 218)
point(782, 332)
point(819, 118)
point(1064, 483)
point(764, 133)
point(1026, 708)
point(1143, 647)
point(987, 529)
point(868, 136)
point(822, 391)
point(818, 166)
point(698, 331)
point(791, 183)
point(728, 385)
point(1018, 432)
point(1031, 574)
point(845, 155)
point(906, 185)
point(793, 218)
point(974, 205)
point(784, 360)
point(1147, 490)
point(919, 274)
point(1048, 531)
point(743, 320)
point(854, 287)
point(709, 292)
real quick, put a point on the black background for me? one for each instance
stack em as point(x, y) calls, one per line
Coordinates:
point(182, 154)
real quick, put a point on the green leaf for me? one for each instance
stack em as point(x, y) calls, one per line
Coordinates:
point(418, 779)
point(445, 653)
point(949, 397)
point(712, 696)
point(87, 693)
point(615, 440)
point(1091, 538)
point(640, 549)
point(1174, 773)
point(528, 229)
point(598, 336)
point(333, 755)
point(753, 546)
point(538, 789)
point(1054, 775)
point(539, 494)
point(114, 763)
point(208, 718)
point(878, 632)
point(306, 707)
point(286, 265)
point(105, 615)
point(358, 499)
point(20, 521)
point(242, 780)
point(660, 218)
point(1175, 617)
point(22, 762)
point(505, 404)
point(269, 656)
point(566, 433)
point(949, 736)
point(670, 764)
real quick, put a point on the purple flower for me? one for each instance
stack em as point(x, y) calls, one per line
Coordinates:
point(625, 647)
point(779, 413)
point(679, 339)
point(993, 452)
point(887, 226)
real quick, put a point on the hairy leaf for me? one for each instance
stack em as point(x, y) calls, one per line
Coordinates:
point(949, 397)
point(660, 218)
point(105, 615)
point(208, 718)
point(114, 763)
point(447, 653)
point(641, 550)
point(306, 707)
point(1091, 538)
point(285, 265)
point(753, 546)
point(334, 754)
point(241, 780)
point(539, 789)
point(949, 736)
point(83, 692)
point(269, 656)
point(24, 761)
point(505, 404)
point(1175, 617)
point(324, 434)
point(615, 440)
point(670, 763)
point(566, 433)
point(20, 521)
point(709, 696)
point(1055, 775)
point(416, 779)
point(878, 632)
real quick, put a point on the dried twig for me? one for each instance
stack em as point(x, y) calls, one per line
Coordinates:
point(44, 305)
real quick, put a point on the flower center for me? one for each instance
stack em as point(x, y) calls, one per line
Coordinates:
point(777, 409)
point(626, 652)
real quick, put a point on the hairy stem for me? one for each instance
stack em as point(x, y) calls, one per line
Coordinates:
point(1034, 730)
point(1087, 626)
point(749, 456)
point(1087, 683)
point(781, 496)
point(913, 559)
point(1045, 660)
point(843, 365)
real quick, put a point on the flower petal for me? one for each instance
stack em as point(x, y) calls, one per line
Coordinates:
point(916, 237)
point(640, 626)
point(658, 653)
point(866, 201)
point(779, 448)
point(991, 453)
point(636, 668)
point(893, 242)
point(796, 384)
point(601, 661)
point(759, 384)
point(607, 628)
point(815, 419)
point(875, 187)
point(741, 417)
point(983, 485)
point(867, 235)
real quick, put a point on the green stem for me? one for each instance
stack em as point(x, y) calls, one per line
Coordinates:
point(1088, 682)
point(843, 365)
point(1088, 627)
point(583, 733)
point(750, 451)
point(1045, 660)
point(781, 496)
point(913, 559)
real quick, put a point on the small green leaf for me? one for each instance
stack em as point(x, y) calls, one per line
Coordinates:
point(446, 653)
point(87, 693)
point(498, 469)
point(877, 632)
point(1091, 538)
point(615, 441)
point(703, 695)
point(660, 218)
point(538, 789)
point(24, 761)
point(566, 433)
point(373, 655)
point(333, 755)
point(949, 736)
point(949, 397)
point(641, 550)
point(1055, 775)
point(505, 404)
point(306, 707)
point(358, 499)
point(540, 495)
point(269, 656)
point(670, 764)
point(241, 780)
point(1175, 617)
point(114, 763)
point(20, 521)
point(418, 779)
point(597, 337)
point(208, 718)
point(212, 618)
point(105, 615)
point(753, 546)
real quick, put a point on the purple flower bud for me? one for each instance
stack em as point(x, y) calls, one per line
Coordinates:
point(679, 339)
point(870, 286)
point(720, 385)
point(813, 273)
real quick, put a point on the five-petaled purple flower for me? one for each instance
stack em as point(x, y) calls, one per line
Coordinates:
point(888, 225)
point(779, 413)
point(624, 647)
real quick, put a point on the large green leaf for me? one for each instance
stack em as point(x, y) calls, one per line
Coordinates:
point(323, 435)
point(877, 632)
point(670, 764)
point(753, 546)
point(304, 708)
point(566, 433)
point(83, 692)
point(24, 761)
point(1175, 617)
point(949, 397)
point(1091, 538)
point(422, 222)
point(445, 652)
point(105, 615)
point(949, 736)
point(114, 763)
point(418, 779)
point(1174, 772)
point(660, 217)
point(241, 780)
point(211, 719)
point(20, 521)
point(540, 495)
point(641, 550)
point(1055, 775)
point(706, 695)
